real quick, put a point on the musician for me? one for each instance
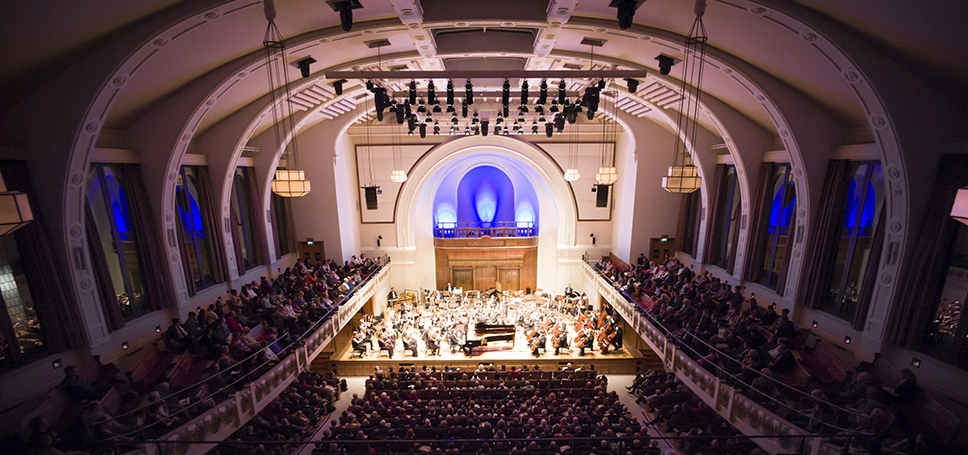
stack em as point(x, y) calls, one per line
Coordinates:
point(616, 339)
point(587, 342)
point(569, 292)
point(410, 341)
point(540, 344)
point(450, 288)
point(387, 341)
point(392, 295)
point(454, 340)
point(562, 342)
point(359, 343)
point(433, 342)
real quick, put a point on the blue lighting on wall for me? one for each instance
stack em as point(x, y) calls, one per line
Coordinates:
point(485, 203)
point(485, 195)
point(446, 213)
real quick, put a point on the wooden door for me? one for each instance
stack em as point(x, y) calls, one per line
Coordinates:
point(509, 279)
point(312, 251)
point(463, 278)
point(660, 247)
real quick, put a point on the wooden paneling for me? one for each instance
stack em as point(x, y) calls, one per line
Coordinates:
point(486, 257)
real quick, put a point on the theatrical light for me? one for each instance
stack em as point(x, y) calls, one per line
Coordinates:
point(431, 93)
point(157, 329)
point(570, 113)
point(520, 117)
point(592, 235)
point(369, 85)
point(682, 179)
point(505, 110)
point(380, 237)
point(523, 109)
point(345, 9)
point(380, 101)
point(497, 129)
point(915, 362)
point(534, 127)
point(626, 12)
point(561, 92)
point(429, 118)
point(538, 109)
point(524, 92)
point(484, 128)
point(560, 122)
point(572, 175)
point(125, 345)
point(554, 106)
point(467, 130)
point(454, 119)
point(450, 94)
point(476, 118)
point(543, 93)
point(506, 131)
point(450, 109)
point(338, 86)
point(506, 93)
point(413, 92)
point(411, 124)
point(633, 84)
point(303, 65)
point(549, 129)
point(468, 92)
point(847, 339)
point(436, 129)
point(815, 324)
point(401, 115)
point(665, 64)
point(57, 363)
point(406, 108)
point(436, 109)
point(463, 109)
point(421, 108)
point(541, 118)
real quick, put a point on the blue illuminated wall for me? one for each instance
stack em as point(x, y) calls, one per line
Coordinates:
point(485, 195)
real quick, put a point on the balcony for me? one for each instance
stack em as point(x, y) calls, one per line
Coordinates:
point(498, 229)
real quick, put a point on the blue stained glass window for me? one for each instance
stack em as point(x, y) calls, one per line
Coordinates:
point(781, 202)
point(190, 197)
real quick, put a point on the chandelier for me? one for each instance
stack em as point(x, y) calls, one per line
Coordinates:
point(289, 182)
point(683, 176)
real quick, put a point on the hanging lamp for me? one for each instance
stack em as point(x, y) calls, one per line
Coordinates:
point(291, 181)
point(683, 176)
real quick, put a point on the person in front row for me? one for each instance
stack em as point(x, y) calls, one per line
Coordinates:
point(359, 344)
point(561, 342)
point(587, 342)
point(542, 339)
point(616, 340)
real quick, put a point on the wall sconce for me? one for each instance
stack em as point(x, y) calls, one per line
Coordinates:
point(815, 324)
point(378, 238)
point(157, 329)
point(846, 339)
point(592, 235)
point(915, 362)
point(56, 363)
point(124, 345)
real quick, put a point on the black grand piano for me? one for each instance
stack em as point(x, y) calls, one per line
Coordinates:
point(487, 334)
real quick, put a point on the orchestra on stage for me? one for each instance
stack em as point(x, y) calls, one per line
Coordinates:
point(457, 321)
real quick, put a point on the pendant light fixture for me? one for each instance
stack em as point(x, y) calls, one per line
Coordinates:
point(572, 174)
point(398, 174)
point(291, 181)
point(607, 174)
point(683, 176)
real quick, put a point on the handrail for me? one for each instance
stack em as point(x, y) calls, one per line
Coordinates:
point(730, 358)
point(453, 229)
point(325, 317)
point(733, 405)
point(299, 353)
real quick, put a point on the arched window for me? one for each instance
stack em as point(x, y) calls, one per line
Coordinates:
point(862, 202)
point(119, 239)
point(779, 206)
point(727, 215)
point(244, 220)
point(193, 213)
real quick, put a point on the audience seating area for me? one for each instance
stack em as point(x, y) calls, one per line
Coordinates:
point(194, 364)
point(502, 411)
point(762, 354)
point(293, 416)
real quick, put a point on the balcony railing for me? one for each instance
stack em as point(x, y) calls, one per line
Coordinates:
point(742, 412)
point(500, 229)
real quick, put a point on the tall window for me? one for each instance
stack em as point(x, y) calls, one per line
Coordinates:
point(690, 221)
point(244, 218)
point(779, 207)
point(284, 242)
point(862, 202)
point(21, 337)
point(193, 213)
point(946, 336)
point(109, 205)
point(726, 226)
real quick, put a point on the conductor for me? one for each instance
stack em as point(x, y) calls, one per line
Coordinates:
point(392, 295)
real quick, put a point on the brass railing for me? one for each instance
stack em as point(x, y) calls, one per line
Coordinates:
point(501, 229)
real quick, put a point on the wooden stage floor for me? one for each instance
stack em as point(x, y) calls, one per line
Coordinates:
point(623, 361)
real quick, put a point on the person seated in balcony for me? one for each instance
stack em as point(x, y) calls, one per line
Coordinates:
point(75, 387)
point(181, 339)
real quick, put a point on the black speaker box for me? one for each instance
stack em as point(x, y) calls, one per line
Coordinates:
point(601, 199)
point(371, 203)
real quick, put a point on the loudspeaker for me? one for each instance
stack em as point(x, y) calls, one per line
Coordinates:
point(371, 203)
point(528, 291)
point(601, 199)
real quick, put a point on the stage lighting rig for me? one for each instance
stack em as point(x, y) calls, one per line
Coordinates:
point(665, 64)
point(506, 93)
point(561, 92)
point(412, 95)
point(468, 93)
point(345, 9)
point(543, 93)
point(524, 92)
point(633, 84)
point(338, 86)
point(450, 94)
point(626, 12)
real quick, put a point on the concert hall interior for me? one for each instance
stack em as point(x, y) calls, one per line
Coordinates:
point(274, 227)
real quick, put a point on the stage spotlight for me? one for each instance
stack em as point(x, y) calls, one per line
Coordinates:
point(406, 108)
point(303, 65)
point(538, 109)
point(497, 129)
point(534, 127)
point(420, 107)
point(369, 86)
point(524, 92)
point(338, 86)
point(431, 93)
point(506, 93)
point(411, 124)
point(436, 109)
point(380, 101)
point(463, 109)
point(468, 93)
point(423, 131)
point(476, 118)
point(506, 132)
point(484, 128)
point(561, 92)
point(467, 130)
point(541, 118)
point(543, 93)
point(523, 109)
point(429, 118)
point(451, 110)
point(633, 84)
point(626, 12)
point(450, 93)
point(601, 84)
point(560, 122)
point(665, 64)
point(570, 113)
point(454, 119)
point(345, 9)
point(401, 115)
point(549, 129)
point(506, 111)
point(554, 106)
point(436, 129)
point(413, 92)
